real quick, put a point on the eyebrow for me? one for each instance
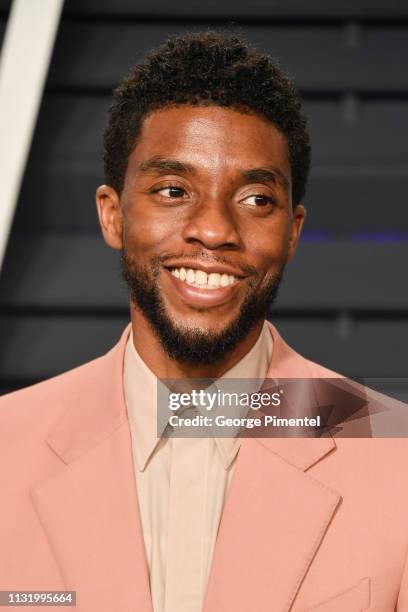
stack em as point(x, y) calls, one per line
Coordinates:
point(266, 175)
point(160, 165)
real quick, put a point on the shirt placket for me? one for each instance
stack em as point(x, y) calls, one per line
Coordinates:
point(184, 572)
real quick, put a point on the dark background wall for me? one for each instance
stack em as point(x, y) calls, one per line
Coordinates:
point(344, 301)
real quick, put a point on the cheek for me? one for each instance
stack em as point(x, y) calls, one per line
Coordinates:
point(145, 235)
point(267, 241)
point(269, 253)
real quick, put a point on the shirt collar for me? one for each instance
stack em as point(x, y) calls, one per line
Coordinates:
point(140, 387)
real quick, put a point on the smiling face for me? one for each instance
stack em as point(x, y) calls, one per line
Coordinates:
point(206, 224)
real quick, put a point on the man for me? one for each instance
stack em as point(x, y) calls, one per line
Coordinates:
point(206, 160)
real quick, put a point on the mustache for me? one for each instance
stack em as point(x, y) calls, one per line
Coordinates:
point(246, 269)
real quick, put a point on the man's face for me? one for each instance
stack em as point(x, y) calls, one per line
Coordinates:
point(207, 226)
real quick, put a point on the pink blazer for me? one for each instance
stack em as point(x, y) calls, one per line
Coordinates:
point(308, 524)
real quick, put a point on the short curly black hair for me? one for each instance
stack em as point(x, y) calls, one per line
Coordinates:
point(206, 68)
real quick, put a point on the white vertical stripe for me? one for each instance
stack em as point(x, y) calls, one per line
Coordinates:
point(24, 61)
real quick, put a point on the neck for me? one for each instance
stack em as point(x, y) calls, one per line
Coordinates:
point(158, 361)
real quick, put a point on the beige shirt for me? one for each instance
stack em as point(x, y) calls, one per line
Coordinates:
point(181, 485)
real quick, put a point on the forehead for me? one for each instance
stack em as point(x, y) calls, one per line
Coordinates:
point(211, 137)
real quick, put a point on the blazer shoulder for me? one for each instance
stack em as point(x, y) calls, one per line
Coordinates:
point(320, 371)
point(38, 406)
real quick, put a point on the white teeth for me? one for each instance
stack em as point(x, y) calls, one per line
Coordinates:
point(214, 279)
point(224, 280)
point(199, 278)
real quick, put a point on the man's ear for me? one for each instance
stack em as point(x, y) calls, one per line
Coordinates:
point(110, 217)
point(299, 216)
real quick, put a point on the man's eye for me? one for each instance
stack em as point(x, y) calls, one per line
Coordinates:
point(258, 200)
point(171, 191)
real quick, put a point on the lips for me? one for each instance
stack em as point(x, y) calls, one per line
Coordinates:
point(200, 295)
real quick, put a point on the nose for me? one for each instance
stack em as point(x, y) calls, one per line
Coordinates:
point(213, 226)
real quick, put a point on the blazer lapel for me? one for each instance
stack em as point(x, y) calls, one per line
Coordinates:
point(275, 516)
point(89, 509)
point(274, 520)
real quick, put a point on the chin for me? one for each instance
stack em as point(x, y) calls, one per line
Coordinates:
point(207, 323)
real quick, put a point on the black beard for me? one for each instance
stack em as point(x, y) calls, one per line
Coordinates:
point(194, 346)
